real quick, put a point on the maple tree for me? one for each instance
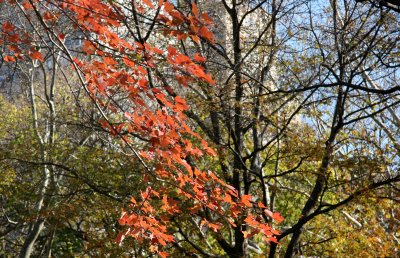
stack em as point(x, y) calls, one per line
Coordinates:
point(123, 76)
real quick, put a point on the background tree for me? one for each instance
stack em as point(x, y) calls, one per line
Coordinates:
point(289, 106)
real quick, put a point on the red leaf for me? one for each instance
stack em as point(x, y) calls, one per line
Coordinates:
point(182, 80)
point(8, 27)
point(181, 103)
point(195, 10)
point(206, 18)
point(128, 62)
point(36, 55)
point(205, 33)
point(27, 5)
point(168, 7)
point(9, 59)
point(120, 238)
point(157, 51)
point(88, 47)
point(48, 16)
point(171, 51)
point(182, 59)
point(199, 58)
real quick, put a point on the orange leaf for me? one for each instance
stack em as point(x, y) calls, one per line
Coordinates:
point(148, 3)
point(195, 39)
point(199, 58)
point(181, 103)
point(246, 200)
point(274, 215)
point(171, 50)
point(157, 51)
point(36, 55)
point(228, 198)
point(27, 5)
point(168, 7)
point(215, 227)
point(205, 33)
point(9, 59)
point(207, 77)
point(48, 16)
point(206, 18)
point(277, 216)
point(195, 10)
point(251, 221)
point(182, 59)
point(273, 239)
point(128, 62)
point(109, 61)
point(261, 205)
point(88, 47)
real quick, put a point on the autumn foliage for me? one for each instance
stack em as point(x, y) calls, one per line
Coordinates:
point(123, 71)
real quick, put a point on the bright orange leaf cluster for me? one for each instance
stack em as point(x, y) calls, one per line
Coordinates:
point(151, 112)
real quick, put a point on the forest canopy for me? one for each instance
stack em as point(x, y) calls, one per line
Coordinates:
point(257, 128)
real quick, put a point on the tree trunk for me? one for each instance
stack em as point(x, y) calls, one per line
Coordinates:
point(30, 240)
